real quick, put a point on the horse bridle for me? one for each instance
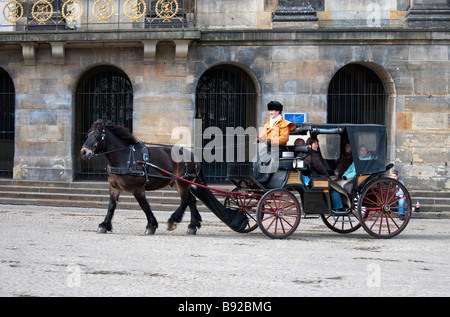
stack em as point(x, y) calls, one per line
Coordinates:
point(98, 138)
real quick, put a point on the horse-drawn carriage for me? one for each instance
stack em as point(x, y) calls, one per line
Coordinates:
point(271, 193)
point(370, 199)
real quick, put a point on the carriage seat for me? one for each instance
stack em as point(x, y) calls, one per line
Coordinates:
point(299, 149)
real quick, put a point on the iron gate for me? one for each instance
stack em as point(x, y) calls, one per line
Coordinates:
point(356, 95)
point(103, 93)
point(7, 111)
point(225, 97)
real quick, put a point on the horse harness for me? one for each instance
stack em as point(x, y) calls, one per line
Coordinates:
point(131, 168)
point(132, 163)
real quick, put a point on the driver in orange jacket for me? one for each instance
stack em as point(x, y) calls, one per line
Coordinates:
point(276, 130)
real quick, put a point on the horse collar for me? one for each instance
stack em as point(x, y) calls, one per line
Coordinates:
point(131, 168)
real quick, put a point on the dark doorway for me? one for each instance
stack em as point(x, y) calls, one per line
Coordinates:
point(225, 97)
point(356, 95)
point(104, 92)
point(7, 111)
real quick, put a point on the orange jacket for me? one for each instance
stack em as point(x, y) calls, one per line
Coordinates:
point(279, 133)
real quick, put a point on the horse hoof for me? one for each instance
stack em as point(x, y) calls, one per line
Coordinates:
point(192, 232)
point(102, 230)
point(150, 232)
point(171, 226)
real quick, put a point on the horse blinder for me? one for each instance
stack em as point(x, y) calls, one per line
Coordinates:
point(88, 152)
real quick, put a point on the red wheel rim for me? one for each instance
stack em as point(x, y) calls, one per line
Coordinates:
point(342, 224)
point(278, 214)
point(379, 210)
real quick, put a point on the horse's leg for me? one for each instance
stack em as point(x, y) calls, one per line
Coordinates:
point(196, 219)
point(106, 225)
point(177, 216)
point(152, 223)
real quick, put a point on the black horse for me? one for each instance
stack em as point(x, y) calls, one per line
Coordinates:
point(127, 172)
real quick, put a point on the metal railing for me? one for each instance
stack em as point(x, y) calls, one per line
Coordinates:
point(7, 111)
point(66, 15)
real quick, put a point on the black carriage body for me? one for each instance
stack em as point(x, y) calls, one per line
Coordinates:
point(380, 204)
point(372, 136)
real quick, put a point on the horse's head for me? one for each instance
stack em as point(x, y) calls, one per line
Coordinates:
point(95, 141)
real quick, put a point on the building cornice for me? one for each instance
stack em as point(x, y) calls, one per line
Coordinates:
point(59, 42)
point(366, 36)
point(343, 36)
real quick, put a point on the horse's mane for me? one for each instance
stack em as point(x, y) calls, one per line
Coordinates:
point(122, 133)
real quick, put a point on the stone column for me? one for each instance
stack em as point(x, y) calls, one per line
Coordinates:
point(429, 13)
point(294, 13)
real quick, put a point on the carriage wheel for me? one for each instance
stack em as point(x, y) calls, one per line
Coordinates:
point(380, 211)
point(278, 213)
point(342, 223)
point(246, 205)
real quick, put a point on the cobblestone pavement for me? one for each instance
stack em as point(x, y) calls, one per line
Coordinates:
point(47, 251)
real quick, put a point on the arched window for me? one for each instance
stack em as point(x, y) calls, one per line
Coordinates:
point(7, 111)
point(356, 95)
point(225, 97)
point(104, 92)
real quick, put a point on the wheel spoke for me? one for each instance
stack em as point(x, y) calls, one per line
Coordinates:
point(278, 213)
point(379, 208)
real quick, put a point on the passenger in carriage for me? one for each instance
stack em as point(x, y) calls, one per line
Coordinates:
point(299, 142)
point(350, 173)
point(314, 160)
point(364, 155)
point(345, 161)
point(276, 130)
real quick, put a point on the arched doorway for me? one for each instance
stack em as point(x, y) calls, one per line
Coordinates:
point(104, 92)
point(356, 95)
point(7, 112)
point(225, 97)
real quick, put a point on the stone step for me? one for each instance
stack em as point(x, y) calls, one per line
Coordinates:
point(431, 201)
point(95, 194)
point(82, 194)
point(164, 193)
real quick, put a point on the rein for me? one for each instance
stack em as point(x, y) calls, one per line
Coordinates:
point(172, 175)
point(104, 153)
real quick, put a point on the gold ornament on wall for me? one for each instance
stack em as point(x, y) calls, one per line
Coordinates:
point(166, 9)
point(134, 9)
point(103, 10)
point(13, 11)
point(42, 11)
point(72, 10)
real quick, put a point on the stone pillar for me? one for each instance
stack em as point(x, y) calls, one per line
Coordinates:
point(429, 13)
point(294, 13)
point(44, 115)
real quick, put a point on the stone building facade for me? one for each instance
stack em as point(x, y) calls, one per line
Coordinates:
point(168, 53)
